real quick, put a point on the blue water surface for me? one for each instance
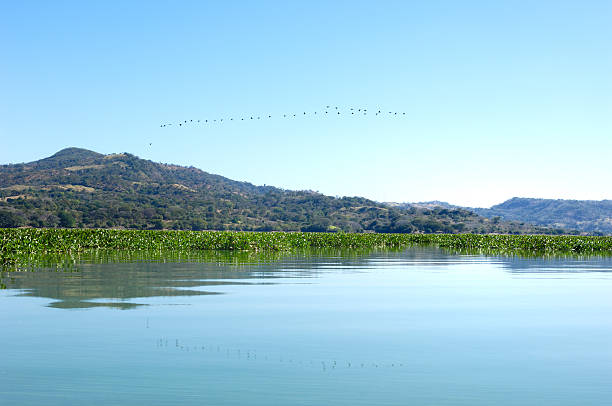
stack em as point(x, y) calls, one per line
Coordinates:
point(413, 327)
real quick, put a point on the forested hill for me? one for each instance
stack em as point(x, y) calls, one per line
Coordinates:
point(81, 188)
point(585, 215)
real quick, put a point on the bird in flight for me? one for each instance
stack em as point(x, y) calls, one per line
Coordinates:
point(354, 111)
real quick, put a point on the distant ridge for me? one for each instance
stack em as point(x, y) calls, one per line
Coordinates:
point(577, 216)
point(591, 216)
point(80, 188)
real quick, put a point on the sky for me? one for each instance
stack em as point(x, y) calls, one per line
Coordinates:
point(502, 98)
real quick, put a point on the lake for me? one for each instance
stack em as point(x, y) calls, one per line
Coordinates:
point(418, 326)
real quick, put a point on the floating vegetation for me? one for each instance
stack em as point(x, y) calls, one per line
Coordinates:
point(19, 246)
point(525, 244)
point(323, 112)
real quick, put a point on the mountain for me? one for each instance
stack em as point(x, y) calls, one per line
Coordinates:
point(80, 188)
point(591, 216)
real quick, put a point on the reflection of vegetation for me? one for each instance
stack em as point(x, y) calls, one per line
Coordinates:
point(526, 254)
point(115, 278)
point(80, 304)
point(127, 279)
point(67, 261)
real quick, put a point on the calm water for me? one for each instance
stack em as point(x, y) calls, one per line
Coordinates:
point(416, 327)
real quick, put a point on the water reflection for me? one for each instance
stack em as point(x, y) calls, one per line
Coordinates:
point(216, 352)
point(124, 280)
point(559, 265)
point(116, 278)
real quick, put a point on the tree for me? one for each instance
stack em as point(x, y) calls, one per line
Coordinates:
point(158, 224)
point(66, 219)
point(8, 219)
point(198, 225)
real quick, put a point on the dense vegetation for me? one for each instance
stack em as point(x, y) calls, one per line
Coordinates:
point(84, 189)
point(585, 215)
point(64, 240)
point(14, 243)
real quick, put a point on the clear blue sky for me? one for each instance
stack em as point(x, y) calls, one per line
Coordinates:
point(503, 98)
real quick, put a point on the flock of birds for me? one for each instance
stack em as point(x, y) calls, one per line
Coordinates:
point(327, 111)
point(252, 355)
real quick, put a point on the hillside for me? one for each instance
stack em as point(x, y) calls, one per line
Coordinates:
point(589, 216)
point(425, 205)
point(80, 188)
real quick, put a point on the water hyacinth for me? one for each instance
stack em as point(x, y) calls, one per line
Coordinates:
point(17, 242)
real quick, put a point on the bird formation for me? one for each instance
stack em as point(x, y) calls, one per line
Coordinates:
point(326, 111)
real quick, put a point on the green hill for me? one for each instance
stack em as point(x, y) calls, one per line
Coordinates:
point(81, 188)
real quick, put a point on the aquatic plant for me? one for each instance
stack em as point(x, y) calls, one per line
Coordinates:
point(19, 244)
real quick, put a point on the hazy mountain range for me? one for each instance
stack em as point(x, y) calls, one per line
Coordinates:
point(586, 216)
point(81, 188)
point(589, 216)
